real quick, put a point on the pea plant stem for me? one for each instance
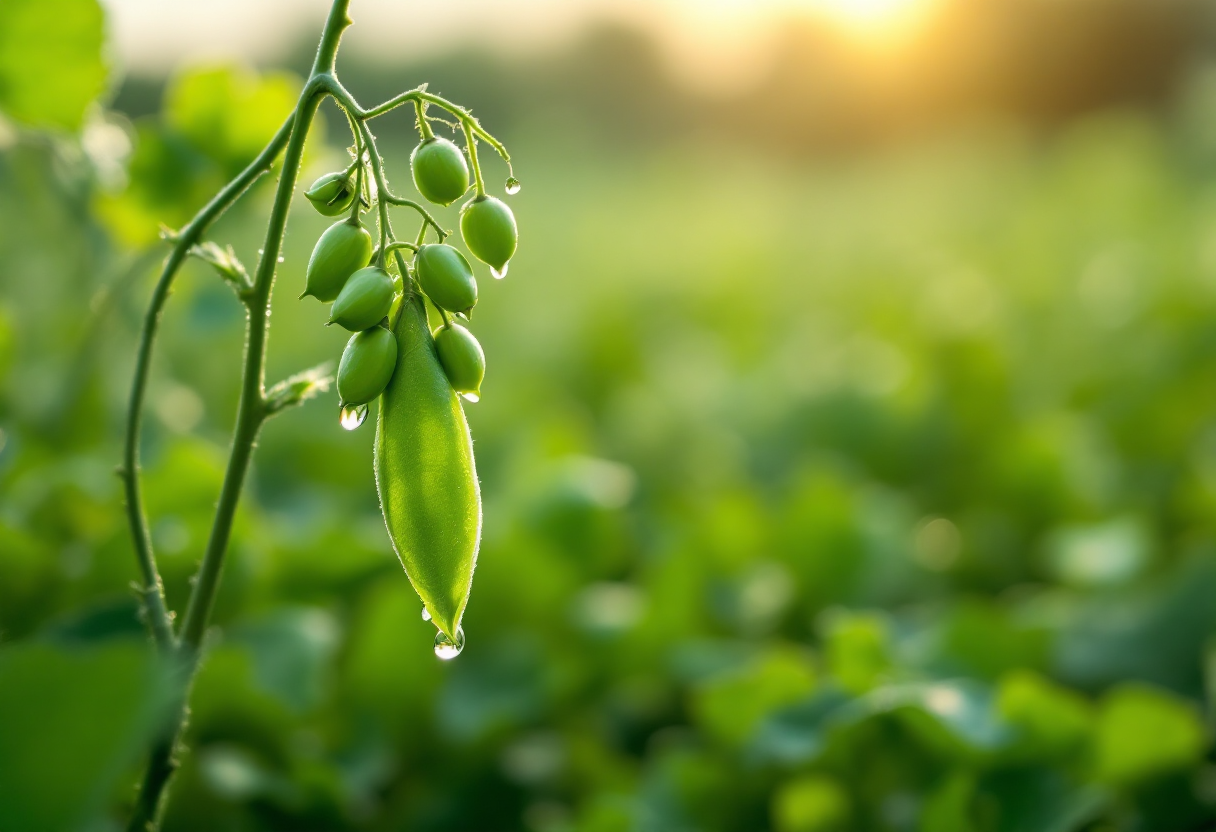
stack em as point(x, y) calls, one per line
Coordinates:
point(152, 591)
point(252, 411)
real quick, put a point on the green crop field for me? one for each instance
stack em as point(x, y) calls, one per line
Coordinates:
point(859, 491)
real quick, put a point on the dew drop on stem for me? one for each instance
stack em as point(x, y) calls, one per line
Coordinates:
point(352, 416)
point(447, 649)
point(513, 186)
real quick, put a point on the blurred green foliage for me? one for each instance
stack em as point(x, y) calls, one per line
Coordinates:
point(869, 494)
point(51, 60)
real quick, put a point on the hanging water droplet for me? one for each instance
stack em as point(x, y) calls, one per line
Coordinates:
point(471, 397)
point(499, 274)
point(426, 614)
point(512, 186)
point(352, 416)
point(447, 649)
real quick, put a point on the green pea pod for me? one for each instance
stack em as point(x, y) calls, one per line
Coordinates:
point(488, 228)
point(367, 365)
point(446, 277)
point(344, 247)
point(440, 171)
point(332, 193)
point(364, 301)
point(426, 475)
point(462, 359)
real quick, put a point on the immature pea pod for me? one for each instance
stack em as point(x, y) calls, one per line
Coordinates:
point(440, 171)
point(364, 301)
point(462, 359)
point(367, 365)
point(332, 193)
point(343, 248)
point(488, 228)
point(446, 277)
point(426, 475)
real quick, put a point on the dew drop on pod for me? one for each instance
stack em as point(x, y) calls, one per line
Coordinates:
point(367, 366)
point(446, 277)
point(364, 301)
point(332, 193)
point(462, 359)
point(344, 248)
point(441, 174)
point(488, 228)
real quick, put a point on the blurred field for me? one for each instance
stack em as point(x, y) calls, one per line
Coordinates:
point(862, 491)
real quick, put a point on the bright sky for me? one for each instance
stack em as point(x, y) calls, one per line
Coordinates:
point(708, 42)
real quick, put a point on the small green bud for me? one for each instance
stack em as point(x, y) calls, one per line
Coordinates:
point(364, 301)
point(332, 194)
point(440, 171)
point(488, 228)
point(446, 277)
point(462, 359)
point(343, 248)
point(367, 365)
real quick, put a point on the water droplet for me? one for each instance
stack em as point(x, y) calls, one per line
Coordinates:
point(512, 186)
point(499, 274)
point(471, 397)
point(352, 416)
point(426, 614)
point(447, 649)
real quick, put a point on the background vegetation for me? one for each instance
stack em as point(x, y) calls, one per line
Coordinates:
point(849, 465)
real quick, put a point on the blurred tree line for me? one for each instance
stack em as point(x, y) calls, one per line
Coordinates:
point(1040, 61)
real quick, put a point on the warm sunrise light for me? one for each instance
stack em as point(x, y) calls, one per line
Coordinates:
point(873, 17)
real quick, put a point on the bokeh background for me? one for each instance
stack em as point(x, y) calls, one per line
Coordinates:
point(848, 440)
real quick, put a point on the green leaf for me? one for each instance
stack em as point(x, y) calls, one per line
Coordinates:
point(810, 803)
point(229, 113)
point(225, 261)
point(948, 808)
point(1144, 731)
point(292, 650)
point(299, 388)
point(732, 705)
point(1052, 720)
point(72, 721)
point(51, 64)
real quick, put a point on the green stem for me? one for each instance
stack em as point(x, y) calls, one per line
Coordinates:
point(427, 219)
point(156, 610)
point(417, 96)
point(373, 157)
point(251, 412)
point(424, 126)
point(471, 141)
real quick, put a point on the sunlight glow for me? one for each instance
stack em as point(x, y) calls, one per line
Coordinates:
point(873, 18)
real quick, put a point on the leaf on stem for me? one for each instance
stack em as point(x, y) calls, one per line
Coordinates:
point(299, 388)
point(226, 263)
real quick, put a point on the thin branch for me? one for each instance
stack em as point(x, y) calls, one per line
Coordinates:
point(156, 610)
point(251, 412)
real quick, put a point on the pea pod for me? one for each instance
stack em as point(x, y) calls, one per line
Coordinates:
point(367, 365)
point(344, 247)
point(426, 475)
point(332, 193)
point(440, 171)
point(446, 277)
point(488, 228)
point(462, 359)
point(364, 301)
